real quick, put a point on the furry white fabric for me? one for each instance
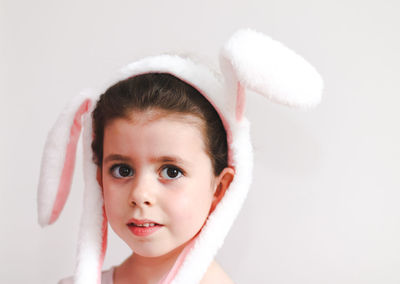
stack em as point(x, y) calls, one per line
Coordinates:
point(266, 66)
point(248, 60)
point(90, 230)
point(53, 160)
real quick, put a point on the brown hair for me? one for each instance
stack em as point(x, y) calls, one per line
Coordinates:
point(164, 92)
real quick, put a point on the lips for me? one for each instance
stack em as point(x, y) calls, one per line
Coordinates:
point(143, 227)
point(141, 222)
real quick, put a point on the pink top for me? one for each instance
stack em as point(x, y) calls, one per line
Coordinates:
point(106, 277)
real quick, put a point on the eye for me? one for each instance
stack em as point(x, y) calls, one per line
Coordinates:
point(121, 171)
point(171, 172)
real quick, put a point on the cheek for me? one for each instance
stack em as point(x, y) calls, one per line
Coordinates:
point(189, 210)
point(113, 200)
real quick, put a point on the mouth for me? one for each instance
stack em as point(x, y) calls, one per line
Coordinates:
point(144, 227)
point(142, 223)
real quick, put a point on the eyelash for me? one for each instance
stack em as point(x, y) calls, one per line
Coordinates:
point(164, 167)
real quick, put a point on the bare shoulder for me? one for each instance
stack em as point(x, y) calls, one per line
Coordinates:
point(216, 274)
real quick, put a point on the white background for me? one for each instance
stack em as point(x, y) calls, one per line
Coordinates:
point(324, 205)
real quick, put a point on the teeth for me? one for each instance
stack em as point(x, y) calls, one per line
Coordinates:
point(145, 225)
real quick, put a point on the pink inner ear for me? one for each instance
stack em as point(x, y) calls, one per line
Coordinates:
point(240, 102)
point(69, 163)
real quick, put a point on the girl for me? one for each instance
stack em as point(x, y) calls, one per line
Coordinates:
point(161, 153)
point(169, 154)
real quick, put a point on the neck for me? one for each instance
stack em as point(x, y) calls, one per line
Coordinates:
point(147, 270)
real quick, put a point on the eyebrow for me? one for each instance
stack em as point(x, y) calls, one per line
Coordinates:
point(116, 157)
point(162, 159)
point(170, 159)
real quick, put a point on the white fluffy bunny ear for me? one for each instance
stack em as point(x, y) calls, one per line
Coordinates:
point(267, 67)
point(58, 160)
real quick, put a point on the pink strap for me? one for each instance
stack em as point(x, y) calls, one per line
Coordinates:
point(69, 163)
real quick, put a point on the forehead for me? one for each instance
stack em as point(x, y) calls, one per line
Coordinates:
point(155, 132)
point(154, 114)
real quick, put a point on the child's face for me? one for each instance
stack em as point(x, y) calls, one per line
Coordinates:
point(156, 168)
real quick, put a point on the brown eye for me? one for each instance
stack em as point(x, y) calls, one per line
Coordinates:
point(170, 172)
point(121, 171)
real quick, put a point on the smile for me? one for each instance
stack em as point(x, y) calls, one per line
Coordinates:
point(143, 225)
point(145, 229)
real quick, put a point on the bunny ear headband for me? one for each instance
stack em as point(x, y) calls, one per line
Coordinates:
point(248, 61)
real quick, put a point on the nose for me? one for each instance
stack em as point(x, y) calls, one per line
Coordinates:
point(141, 193)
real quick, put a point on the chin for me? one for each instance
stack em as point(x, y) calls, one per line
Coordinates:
point(151, 250)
